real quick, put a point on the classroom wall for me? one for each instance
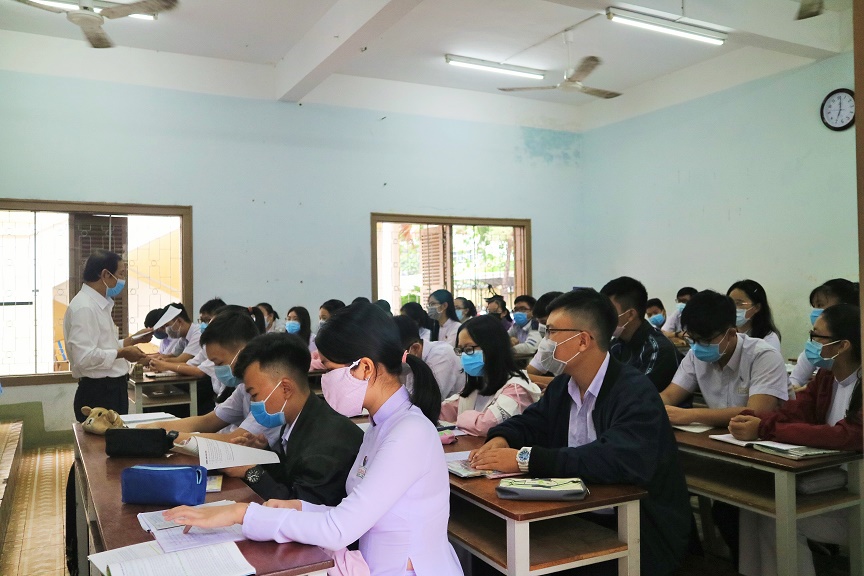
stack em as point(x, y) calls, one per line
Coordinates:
point(743, 183)
point(746, 183)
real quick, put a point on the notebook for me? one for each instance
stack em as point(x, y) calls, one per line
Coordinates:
point(791, 451)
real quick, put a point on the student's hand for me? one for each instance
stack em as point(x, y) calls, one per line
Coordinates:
point(131, 353)
point(245, 438)
point(497, 442)
point(514, 341)
point(290, 504)
point(744, 427)
point(161, 365)
point(679, 415)
point(207, 517)
point(236, 471)
point(501, 459)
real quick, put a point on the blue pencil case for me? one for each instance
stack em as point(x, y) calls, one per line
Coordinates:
point(164, 484)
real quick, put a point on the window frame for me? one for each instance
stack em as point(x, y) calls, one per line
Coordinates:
point(183, 212)
point(378, 217)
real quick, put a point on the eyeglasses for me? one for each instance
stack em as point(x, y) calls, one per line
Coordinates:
point(702, 341)
point(521, 309)
point(468, 350)
point(743, 304)
point(821, 337)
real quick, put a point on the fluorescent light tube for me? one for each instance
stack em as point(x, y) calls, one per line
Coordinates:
point(71, 7)
point(666, 26)
point(488, 66)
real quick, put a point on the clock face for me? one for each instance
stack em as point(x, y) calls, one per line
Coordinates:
point(838, 109)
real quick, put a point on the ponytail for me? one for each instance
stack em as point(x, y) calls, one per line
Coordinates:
point(426, 395)
point(258, 317)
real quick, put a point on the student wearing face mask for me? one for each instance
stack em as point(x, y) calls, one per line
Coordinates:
point(398, 491)
point(826, 414)
point(525, 332)
point(733, 371)
point(672, 327)
point(198, 366)
point(834, 291)
point(223, 340)
point(602, 421)
point(298, 322)
point(439, 356)
point(312, 466)
point(752, 312)
point(495, 389)
point(655, 313)
point(497, 307)
point(271, 318)
point(327, 309)
point(635, 341)
point(183, 328)
point(465, 309)
point(167, 346)
point(416, 312)
point(536, 371)
point(442, 312)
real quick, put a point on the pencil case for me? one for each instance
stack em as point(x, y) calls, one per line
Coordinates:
point(163, 484)
point(541, 489)
point(137, 442)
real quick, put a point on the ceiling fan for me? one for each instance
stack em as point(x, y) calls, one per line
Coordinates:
point(810, 8)
point(91, 21)
point(573, 81)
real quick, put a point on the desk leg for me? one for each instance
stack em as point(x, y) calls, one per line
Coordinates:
point(786, 521)
point(81, 524)
point(193, 398)
point(856, 521)
point(139, 399)
point(518, 548)
point(628, 531)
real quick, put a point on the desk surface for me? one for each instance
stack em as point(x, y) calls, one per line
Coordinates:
point(701, 442)
point(482, 491)
point(118, 522)
point(162, 380)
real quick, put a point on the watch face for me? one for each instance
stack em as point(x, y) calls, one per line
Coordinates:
point(838, 109)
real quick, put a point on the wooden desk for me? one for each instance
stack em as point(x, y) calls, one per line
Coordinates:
point(765, 484)
point(500, 532)
point(105, 523)
point(138, 386)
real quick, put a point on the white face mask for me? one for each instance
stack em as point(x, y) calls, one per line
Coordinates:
point(548, 362)
point(620, 329)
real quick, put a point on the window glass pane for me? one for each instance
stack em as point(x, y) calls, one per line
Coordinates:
point(484, 263)
point(154, 264)
point(52, 290)
point(17, 289)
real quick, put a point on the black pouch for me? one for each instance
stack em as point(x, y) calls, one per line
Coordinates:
point(137, 442)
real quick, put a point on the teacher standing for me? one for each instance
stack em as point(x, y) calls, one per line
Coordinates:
point(98, 358)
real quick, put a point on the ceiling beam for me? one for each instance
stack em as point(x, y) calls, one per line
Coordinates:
point(766, 24)
point(341, 35)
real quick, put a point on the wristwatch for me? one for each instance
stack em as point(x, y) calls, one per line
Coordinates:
point(172, 436)
point(522, 458)
point(253, 475)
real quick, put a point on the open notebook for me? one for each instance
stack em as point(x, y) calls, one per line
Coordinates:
point(792, 451)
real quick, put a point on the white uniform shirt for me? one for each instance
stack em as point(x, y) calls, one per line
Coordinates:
point(840, 398)
point(773, 340)
point(193, 337)
point(528, 337)
point(446, 367)
point(803, 371)
point(447, 332)
point(92, 338)
point(754, 368)
point(581, 422)
point(673, 322)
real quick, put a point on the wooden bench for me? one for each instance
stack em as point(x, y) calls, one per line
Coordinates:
point(11, 446)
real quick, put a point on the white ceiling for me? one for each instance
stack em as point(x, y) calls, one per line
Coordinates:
point(310, 42)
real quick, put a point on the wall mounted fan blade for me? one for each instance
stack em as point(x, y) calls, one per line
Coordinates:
point(810, 8)
point(588, 64)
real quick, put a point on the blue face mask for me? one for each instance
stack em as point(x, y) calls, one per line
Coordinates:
point(813, 352)
point(680, 306)
point(814, 315)
point(741, 317)
point(225, 375)
point(160, 334)
point(460, 314)
point(292, 326)
point(520, 318)
point(203, 326)
point(115, 290)
point(657, 320)
point(707, 352)
point(473, 363)
point(264, 418)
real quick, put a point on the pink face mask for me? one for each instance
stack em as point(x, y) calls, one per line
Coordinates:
point(343, 392)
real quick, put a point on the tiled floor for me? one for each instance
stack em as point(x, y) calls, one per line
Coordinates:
point(34, 538)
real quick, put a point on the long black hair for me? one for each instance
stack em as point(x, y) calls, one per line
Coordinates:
point(365, 331)
point(254, 312)
point(305, 332)
point(762, 323)
point(498, 363)
point(417, 313)
point(843, 290)
point(844, 323)
point(470, 308)
point(266, 306)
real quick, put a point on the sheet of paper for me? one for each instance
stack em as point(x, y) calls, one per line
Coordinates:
point(697, 428)
point(152, 521)
point(143, 550)
point(218, 560)
point(133, 420)
point(732, 440)
point(170, 313)
point(173, 539)
point(214, 454)
point(454, 456)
